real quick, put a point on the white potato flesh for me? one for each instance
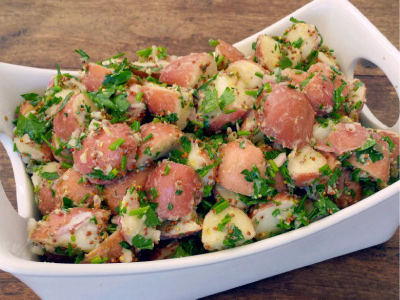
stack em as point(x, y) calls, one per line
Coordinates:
point(246, 71)
point(357, 94)
point(309, 36)
point(176, 229)
point(327, 58)
point(50, 167)
point(198, 158)
point(266, 218)
point(250, 124)
point(213, 239)
point(133, 225)
point(322, 132)
point(232, 197)
point(268, 52)
point(304, 165)
point(31, 150)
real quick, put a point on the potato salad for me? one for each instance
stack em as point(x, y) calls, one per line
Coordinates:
point(167, 156)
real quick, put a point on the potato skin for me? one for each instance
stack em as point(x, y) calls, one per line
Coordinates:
point(96, 152)
point(230, 53)
point(173, 205)
point(70, 185)
point(285, 115)
point(114, 192)
point(187, 71)
point(95, 76)
point(343, 138)
point(236, 157)
point(163, 139)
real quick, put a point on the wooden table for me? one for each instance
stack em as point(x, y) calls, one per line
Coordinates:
point(42, 33)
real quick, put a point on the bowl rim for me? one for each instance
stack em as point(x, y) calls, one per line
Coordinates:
point(20, 266)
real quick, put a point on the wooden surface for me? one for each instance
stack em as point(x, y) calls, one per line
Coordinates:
point(42, 33)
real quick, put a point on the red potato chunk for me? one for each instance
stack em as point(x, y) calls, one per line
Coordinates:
point(310, 38)
point(285, 115)
point(176, 192)
point(73, 116)
point(189, 71)
point(31, 150)
point(319, 90)
point(159, 140)
point(351, 192)
point(341, 138)
point(77, 188)
point(379, 169)
point(94, 77)
point(248, 72)
point(114, 193)
point(228, 52)
point(60, 225)
point(236, 157)
point(111, 250)
point(227, 86)
point(304, 165)
point(265, 222)
point(97, 155)
point(181, 228)
point(214, 239)
point(394, 152)
point(271, 53)
point(162, 101)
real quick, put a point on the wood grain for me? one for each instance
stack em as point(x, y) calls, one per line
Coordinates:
point(42, 33)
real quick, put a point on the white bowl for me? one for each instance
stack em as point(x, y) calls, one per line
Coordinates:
point(367, 223)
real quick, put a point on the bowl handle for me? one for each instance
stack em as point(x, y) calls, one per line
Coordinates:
point(372, 45)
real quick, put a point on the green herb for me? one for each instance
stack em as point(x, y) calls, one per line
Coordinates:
point(212, 102)
point(338, 99)
point(148, 137)
point(166, 170)
point(335, 176)
point(220, 206)
point(336, 70)
point(298, 43)
point(233, 237)
point(276, 212)
point(261, 188)
point(125, 245)
point(223, 223)
point(292, 19)
point(213, 43)
point(119, 142)
point(98, 260)
point(66, 165)
point(186, 144)
point(153, 192)
point(177, 156)
point(272, 154)
point(140, 242)
point(83, 55)
point(390, 143)
point(170, 206)
point(98, 174)
point(243, 133)
point(178, 192)
point(135, 126)
point(67, 203)
point(145, 52)
point(49, 175)
point(251, 93)
point(285, 62)
point(138, 97)
point(31, 126)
